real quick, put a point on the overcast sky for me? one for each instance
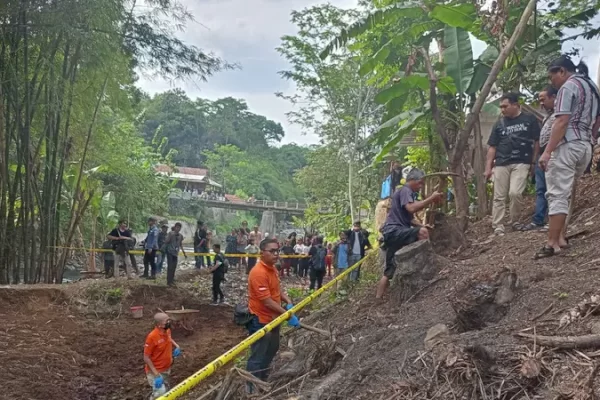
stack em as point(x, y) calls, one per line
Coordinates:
point(247, 32)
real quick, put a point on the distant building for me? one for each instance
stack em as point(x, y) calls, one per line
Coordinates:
point(189, 178)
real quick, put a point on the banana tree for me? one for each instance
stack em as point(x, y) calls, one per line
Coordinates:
point(441, 91)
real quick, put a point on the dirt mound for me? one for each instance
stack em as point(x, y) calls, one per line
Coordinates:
point(80, 341)
point(492, 296)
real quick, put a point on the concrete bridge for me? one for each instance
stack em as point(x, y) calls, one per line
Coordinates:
point(233, 203)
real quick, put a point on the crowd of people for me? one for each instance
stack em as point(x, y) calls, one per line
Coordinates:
point(213, 195)
point(159, 245)
point(555, 152)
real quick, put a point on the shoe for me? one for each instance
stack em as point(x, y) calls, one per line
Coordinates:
point(214, 303)
point(531, 227)
point(499, 232)
point(223, 302)
point(517, 226)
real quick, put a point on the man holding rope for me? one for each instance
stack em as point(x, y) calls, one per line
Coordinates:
point(264, 302)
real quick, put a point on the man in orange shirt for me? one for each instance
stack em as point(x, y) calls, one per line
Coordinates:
point(264, 302)
point(159, 352)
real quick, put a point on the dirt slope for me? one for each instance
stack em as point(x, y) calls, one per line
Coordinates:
point(385, 356)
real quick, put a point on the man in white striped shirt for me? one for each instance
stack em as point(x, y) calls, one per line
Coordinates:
point(569, 150)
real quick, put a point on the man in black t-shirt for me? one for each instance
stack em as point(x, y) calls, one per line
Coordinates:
point(201, 244)
point(513, 148)
point(121, 239)
point(218, 275)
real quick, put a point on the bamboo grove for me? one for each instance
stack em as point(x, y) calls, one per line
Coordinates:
point(67, 69)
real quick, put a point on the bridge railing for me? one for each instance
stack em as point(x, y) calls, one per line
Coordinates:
point(287, 205)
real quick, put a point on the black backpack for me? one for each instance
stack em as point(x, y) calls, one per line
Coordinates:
point(318, 259)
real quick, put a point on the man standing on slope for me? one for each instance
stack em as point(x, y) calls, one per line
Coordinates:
point(513, 146)
point(264, 302)
point(400, 229)
point(569, 150)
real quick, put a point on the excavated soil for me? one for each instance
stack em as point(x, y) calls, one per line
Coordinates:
point(62, 342)
point(380, 353)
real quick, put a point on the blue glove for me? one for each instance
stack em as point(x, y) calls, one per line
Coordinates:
point(289, 306)
point(176, 352)
point(158, 382)
point(294, 322)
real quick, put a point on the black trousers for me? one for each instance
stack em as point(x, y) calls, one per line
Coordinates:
point(394, 240)
point(216, 287)
point(316, 277)
point(303, 265)
point(171, 266)
point(150, 261)
point(251, 264)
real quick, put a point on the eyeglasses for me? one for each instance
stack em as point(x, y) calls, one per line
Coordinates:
point(273, 251)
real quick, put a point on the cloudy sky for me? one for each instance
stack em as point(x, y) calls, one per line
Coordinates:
point(247, 32)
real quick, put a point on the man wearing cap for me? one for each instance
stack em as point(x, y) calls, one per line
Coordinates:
point(150, 248)
point(400, 228)
point(159, 350)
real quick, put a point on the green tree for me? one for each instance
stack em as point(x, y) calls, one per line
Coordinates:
point(334, 100)
point(65, 68)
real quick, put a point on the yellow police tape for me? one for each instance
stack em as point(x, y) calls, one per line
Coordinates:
point(141, 252)
point(210, 368)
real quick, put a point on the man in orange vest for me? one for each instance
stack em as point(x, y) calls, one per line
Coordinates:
point(264, 301)
point(159, 351)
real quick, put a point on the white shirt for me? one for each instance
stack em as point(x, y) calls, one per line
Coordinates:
point(356, 246)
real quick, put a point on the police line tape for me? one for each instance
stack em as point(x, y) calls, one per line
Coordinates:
point(142, 252)
point(189, 383)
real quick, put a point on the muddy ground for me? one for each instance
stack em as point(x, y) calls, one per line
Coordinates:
point(53, 345)
point(79, 341)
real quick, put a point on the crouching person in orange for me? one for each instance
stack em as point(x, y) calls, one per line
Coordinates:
point(159, 351)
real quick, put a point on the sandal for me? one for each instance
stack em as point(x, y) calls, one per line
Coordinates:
point(568, 246)
point(545, 252)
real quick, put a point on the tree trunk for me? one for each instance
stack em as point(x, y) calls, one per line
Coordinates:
point(479, 168)
point(461, 196)
point(463, 137)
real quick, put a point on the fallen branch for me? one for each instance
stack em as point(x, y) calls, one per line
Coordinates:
point(564, 342)
point(209, 391)
point(544, 312)
point(251, 378)
point(290, 383)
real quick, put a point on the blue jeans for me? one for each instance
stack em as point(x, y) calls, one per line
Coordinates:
point(159, 262)
point(262, 352)
point(355, 274)
point(541, 204)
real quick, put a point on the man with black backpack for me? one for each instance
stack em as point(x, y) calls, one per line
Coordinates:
point(219, 269)
point(318, 255)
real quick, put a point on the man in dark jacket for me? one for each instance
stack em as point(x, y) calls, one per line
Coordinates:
point(358, 242)
point(201, 245)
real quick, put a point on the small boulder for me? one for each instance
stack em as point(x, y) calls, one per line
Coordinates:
point(435, 335)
